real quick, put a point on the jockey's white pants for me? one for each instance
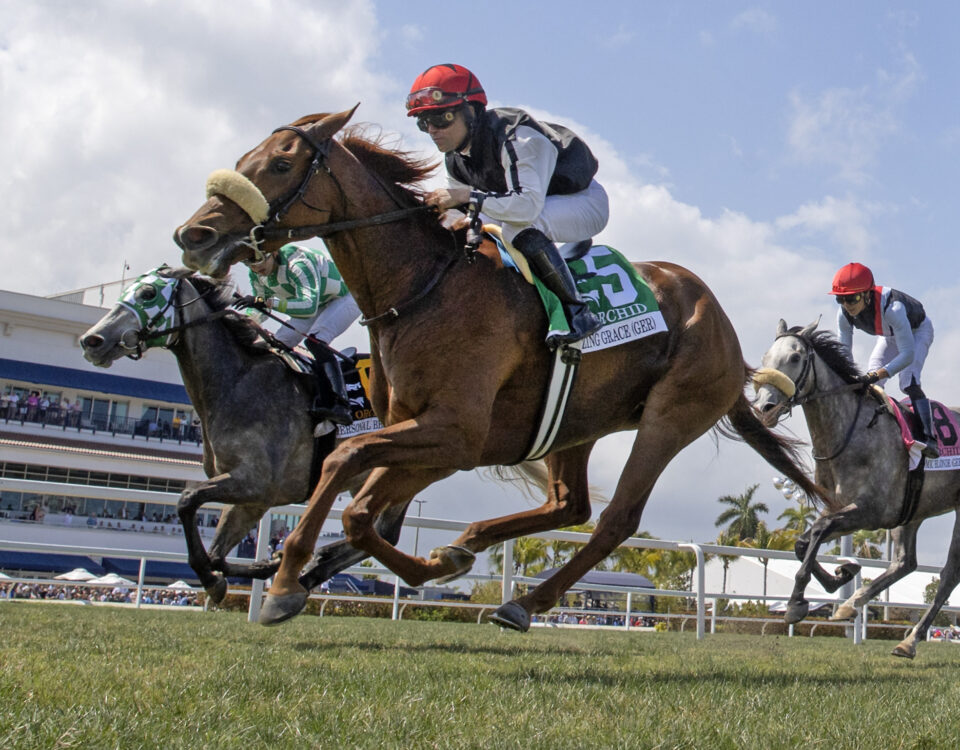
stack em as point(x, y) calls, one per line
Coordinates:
point(886, 349)
point(330, 322)
point(568, 218)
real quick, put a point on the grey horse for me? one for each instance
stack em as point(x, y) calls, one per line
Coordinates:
point(258, 444)
point(861, 458)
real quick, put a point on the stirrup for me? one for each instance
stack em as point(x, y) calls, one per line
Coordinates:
point(338, 413)
point(929, 449)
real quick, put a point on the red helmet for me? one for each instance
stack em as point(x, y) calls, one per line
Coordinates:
point(442, 86)
point(852, 278)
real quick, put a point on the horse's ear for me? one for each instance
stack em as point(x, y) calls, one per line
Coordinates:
point(329, 125)
point(810, 328)
point(781, 327)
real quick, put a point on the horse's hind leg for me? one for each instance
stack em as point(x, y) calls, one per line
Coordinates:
point(949, 577)
point(904, 562)
point(338, 556)
point(234, 524)
point(666, 428)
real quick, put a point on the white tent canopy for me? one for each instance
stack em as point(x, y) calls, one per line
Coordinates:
point(112, 579)
point(77, 574)
point(179, 585)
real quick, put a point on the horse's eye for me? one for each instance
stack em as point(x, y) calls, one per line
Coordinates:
point(281, 165)
point(794, 358)
point(145, 294)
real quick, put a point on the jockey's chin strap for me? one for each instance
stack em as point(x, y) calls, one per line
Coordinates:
point(242, 191)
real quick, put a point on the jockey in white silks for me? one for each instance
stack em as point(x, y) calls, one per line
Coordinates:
point(905, 333)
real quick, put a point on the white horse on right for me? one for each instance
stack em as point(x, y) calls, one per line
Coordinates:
point(862, 459)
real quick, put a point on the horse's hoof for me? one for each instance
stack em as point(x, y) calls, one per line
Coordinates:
point(844, 612)
point(218, 591)
point(461, 557)
point(795, 612)
point(905, 649)
point(277, 609)
point(847, 571)
point(511, 615)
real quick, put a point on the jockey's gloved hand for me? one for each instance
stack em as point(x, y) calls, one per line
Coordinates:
point(250, 300)
point(869, 378)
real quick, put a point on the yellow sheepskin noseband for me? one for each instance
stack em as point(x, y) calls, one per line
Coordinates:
point(769, 376)
point(233, 185)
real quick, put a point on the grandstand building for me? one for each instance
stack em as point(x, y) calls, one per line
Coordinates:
point(88, 456)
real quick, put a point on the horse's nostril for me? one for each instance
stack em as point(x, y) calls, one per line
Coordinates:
point(196, 237)
point(91, 341)
point(765, 407)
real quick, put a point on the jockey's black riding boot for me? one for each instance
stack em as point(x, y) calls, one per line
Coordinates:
point(921, 407)
point(333, 388)
point(553, 272)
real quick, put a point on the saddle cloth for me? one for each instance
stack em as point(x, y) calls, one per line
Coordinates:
point(611, 286)
point(945, 426)
point(358, 390)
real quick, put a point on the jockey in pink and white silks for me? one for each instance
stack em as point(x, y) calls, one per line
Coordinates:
point(535, 179)
point(905, 334)
point(305, 284)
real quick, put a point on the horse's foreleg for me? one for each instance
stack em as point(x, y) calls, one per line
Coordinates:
point(225, 489)
point(903, 563)
point(949, 577)
point(830, 582)
point(843, 521)
point(333, 558)
point(385, 488)
point(235, 522)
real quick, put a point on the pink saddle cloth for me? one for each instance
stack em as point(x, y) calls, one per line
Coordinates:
point(945, 427)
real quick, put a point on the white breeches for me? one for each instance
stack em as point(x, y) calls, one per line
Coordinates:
point(886, 349)
point(331, 321)
point(569, 218)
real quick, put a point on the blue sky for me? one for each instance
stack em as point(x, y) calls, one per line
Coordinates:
point(762, 145)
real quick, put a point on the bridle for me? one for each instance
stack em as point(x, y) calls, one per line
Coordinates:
point(798, 393)
point(149, 332)
point(268, 227)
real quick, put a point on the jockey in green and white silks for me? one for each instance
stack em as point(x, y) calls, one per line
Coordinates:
point(304, 283)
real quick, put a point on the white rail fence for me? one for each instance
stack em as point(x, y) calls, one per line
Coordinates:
point(705, 600)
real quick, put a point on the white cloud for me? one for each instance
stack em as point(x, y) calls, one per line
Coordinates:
point(843, 129)
point(756, 20)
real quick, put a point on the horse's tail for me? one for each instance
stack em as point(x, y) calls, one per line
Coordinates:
point(532, 478)
point(782, 453)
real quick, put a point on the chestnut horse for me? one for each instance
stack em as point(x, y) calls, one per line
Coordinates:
point(423, 302)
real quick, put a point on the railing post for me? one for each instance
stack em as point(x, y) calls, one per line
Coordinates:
point(263, 549)
point(506, 581)
point(143, 573)
point(701, 583)
point(626, 620)
point(395, 615)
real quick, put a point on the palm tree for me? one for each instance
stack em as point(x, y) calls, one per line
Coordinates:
point(867, 543)
point(778, 539)
point(634, 559)
point(725, 539)
point(743, 516)
point(561, 552)
point(798, 518)
point(529, 556)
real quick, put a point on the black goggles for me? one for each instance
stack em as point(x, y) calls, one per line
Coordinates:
point(438, 120)
point(849, 299)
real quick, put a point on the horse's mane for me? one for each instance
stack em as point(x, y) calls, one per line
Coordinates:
point(835, 355)
point(218, 294)
point(402, 168)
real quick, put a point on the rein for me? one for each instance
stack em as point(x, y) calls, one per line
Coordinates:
point(245, 193)
point(793, 390)
point(148, 332)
